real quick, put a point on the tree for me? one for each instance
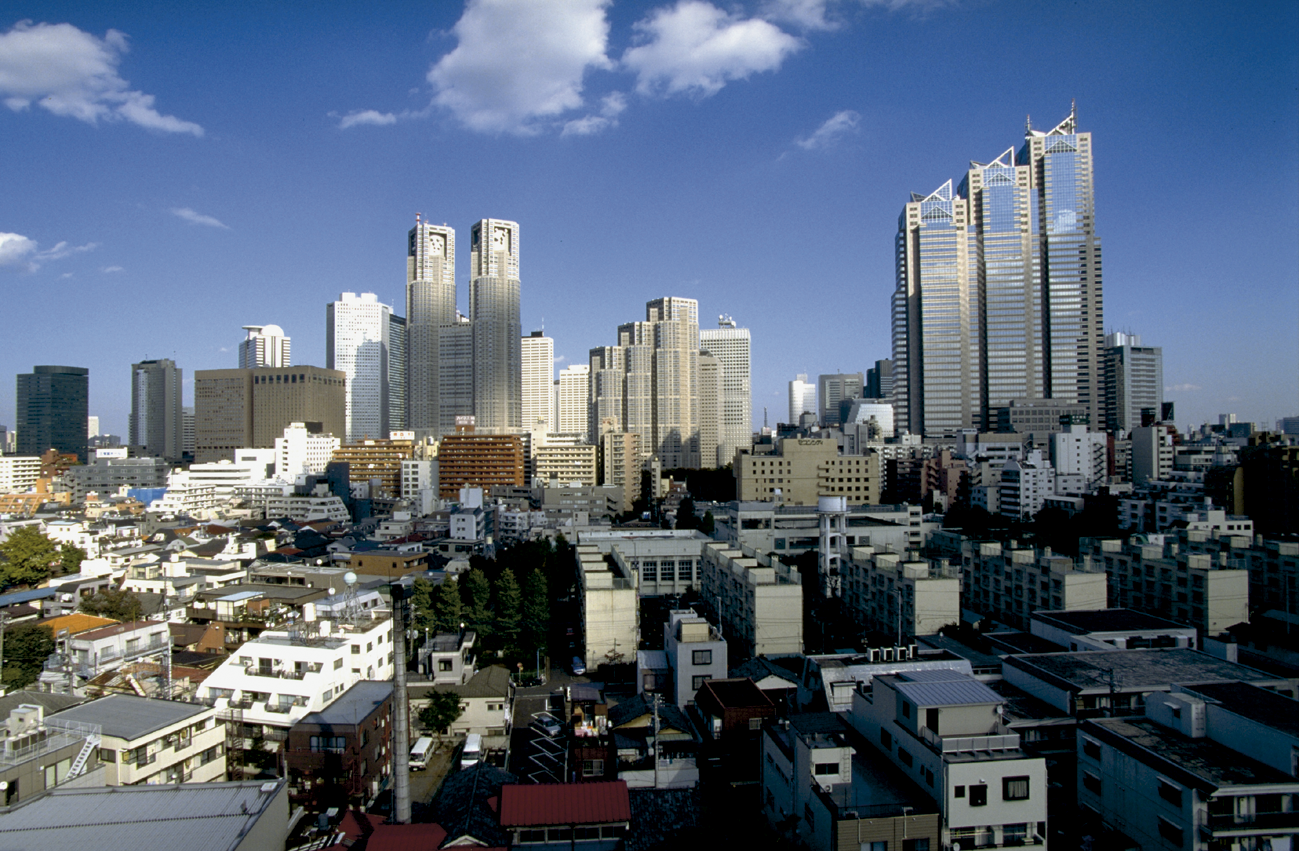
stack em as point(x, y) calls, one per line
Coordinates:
point(709, 524)
point(508, 603)
point(476, 593)
point(421, 603)
point(441, 712)
point(71, 557)
point(27, 555)
point(114, 603)
point(446, 606)
point(536, 612)
point(686, 518)
point(27, 646)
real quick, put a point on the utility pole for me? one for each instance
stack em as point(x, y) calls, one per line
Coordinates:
point(4, 622)
point(400, 710)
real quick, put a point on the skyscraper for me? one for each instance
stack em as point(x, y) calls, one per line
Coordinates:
point(157, 425)
point(496, 327)
point(802, 398)
point(1134, 380)
point(879, 380)
point(730, 345)
point(993, 303)
point(833, 389)
point(53, 410)
point(356, 344)
point(572, 398)
point(430, 306)
point(265, 345)
point(538, 358)
point(396, 372)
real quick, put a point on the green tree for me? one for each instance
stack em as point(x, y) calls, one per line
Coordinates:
point(71, 557)
point(709, 524)
point(508, 604)
point(446, 606)
point(421, 604)
point(26, 647)
point(535, 628)
point(114, 603)
point(476, 594)
point(686, 518)
point(441, 712)
point(27, 555)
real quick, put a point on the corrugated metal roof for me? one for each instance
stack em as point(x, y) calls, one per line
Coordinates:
point(565, 804)
point(947, 692)
point(128, 717)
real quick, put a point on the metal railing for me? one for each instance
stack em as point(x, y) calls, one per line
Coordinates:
point(48, 736)
point(958, 744)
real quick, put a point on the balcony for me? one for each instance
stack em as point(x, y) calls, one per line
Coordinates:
point(963, 744)
point(279, 708)
point(253, 670)
point(1227, 824)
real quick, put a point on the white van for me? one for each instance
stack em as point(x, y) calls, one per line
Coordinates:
point(473, 751)
point(420, 753)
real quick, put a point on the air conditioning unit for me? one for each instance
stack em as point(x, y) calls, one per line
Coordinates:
point(887, 654)
point(874, 654)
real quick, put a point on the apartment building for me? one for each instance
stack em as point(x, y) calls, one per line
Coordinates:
point(566, 461)
point(368, 460)
point(151, 741)
point(900, 596)
point(339, 756)
point(610, 611)
point(695, 652)
point(466, 459)
point(805, 469)
point(758, 600)
point(792, 529)
point(19, 473)
point(39, 752)
point(1008, 584)
point(620, 464)
point(945, 731)
point(666, 561)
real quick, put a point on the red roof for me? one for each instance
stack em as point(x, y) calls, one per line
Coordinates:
point(564, 804)
point(406, 837)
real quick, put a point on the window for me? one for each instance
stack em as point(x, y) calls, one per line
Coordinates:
point(1014, 834)
point(906, 709)
point(979, 795)
point(1014, 788)
point(338, 663)
point(916, 844)
point(886, 739)
point(1091, 783)
point(1170, 793)
point(107, 755)
point(592, 768)
point(444, 664)
point(904, 756)
point(1091, 749)
point(356, 649)
point(755, 723)
point(824, 768)
point(958, 791)
point(586, 833)
point(697, 682)
point(702, 657)
point(1170, 831)
point(328, 744)
point(532, 836)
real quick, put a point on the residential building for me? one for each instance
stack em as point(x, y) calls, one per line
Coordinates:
point(1009, 584)
point(833, 389)
point(791, 529)
point(568, 459)
point(710, 410)
point(157, 426)
point(339, 756)
point(356, 344)
point(893, 594)
point(730, 345)
point(265, 345)
point(1152, 453)
point(1105, 629)
point(300, 451)
point(1025, 485)
point(430, 307)
point(608, 606)
point(19, 473)
point(558, 815)
point(538, 382)
point(1082, 453)
point(572, 399)
point(107, 475)
point(494, 320)
point(806, 469)
point(187, 431)
point(151, 741)
point(52, 410)
point(945, 731)
point(696, 652)
point(467, 459)
point(42, 752)
point(1134, 380)
point(240, 408)
point(486, 704)
point(107, 648)
point(802, 398)
point(368, 460)
point(447, 658)
point(665, 561)
point(620, 464)
point(758, 600)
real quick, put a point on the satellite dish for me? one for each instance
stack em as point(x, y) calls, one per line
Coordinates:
point(349, 578)
point(332, 592)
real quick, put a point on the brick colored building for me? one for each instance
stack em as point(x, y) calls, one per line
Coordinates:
point(466, 459)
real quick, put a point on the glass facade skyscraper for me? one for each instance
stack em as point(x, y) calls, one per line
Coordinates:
point(998, 292)
point(53, 410)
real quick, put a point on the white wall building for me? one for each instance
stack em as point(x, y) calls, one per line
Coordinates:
point(265, 345)
point(299, 451)
point(572, 398)
point(695, 652)
point(1079, 452)
point(18, 473)
point(759, 600)
point(610, 609)
point(225, 477)
point(538, 381)
point(730, 345)
point(1025, 485)
point(356, 343)
point(802, 398)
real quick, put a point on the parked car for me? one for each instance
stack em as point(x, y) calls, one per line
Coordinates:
point(578, 666)
point(547, 724)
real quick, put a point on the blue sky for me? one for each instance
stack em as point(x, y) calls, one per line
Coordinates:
point(173, 172)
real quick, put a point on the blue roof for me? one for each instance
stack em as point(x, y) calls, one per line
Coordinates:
point(239, 595)
point(16, 597)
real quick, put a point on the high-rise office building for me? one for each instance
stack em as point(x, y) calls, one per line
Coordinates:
point(833, 389)
point(538, 358)
point(710, 411)
point(265, 345)
point(572, 399)
point(92, 426)
point(157, 425)
point(430, 306)
point(52, 410)
point(993, 302)
point(802, 398)
point(1134, 381)
point(396, 372)
point(496, 327)
point(879, 380)
point(730, 345)
point(249, 408)
point(648, 383)
point(356, 344)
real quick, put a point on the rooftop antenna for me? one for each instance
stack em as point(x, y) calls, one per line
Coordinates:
point(349, 599)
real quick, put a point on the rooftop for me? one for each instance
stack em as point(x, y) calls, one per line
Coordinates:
point(1106, 620)
point(128, 717)
point(352, 706)
point(943, 688)
point(119, 628)
point(565, 804)
point(1254, 703)
point(736, 692)
point(1133, 670)
point(193, 816)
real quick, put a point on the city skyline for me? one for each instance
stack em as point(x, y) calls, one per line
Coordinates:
point(712, 182)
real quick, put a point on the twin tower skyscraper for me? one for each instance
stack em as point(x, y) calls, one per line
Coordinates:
point(463, 366)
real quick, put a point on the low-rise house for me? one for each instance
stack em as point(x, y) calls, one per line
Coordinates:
point(486, 703)
point(729, 715)
point(40, 753)
point(447, 658)
point(695, 652)
point(564, 816)
point(106, 648)
point(656, 746)
point(339, 755)
point(154, 741)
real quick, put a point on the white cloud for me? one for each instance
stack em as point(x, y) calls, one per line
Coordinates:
point(366, 116)
point(611, 106)
point(1182, 388)
point(695, 47)
point(808, 14)
point(517, 62)
point(108, 270)
point(72, 73)
point(829, 133)
point(198, 218)
point(24, 253)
